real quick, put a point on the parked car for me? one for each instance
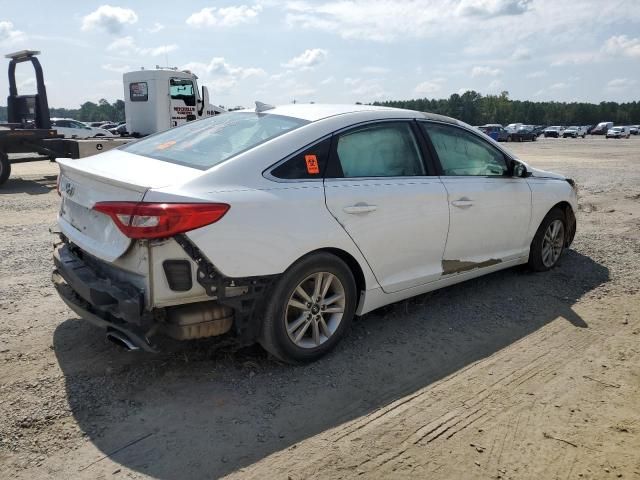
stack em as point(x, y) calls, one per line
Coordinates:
point(618, 132)
point(524, 134)
point(74, 129)
point(602, 128)
point(100, 124)
point(496, 131)
point(279, 225)
point(634, 129)
point(574, 132)
point(109, 125)
point(513, 127)
point(554, 132)
point(120, 129)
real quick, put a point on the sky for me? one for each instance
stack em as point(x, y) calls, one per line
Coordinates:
point(333, 51)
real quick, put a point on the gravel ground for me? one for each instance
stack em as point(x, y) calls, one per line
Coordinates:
point(513, 375)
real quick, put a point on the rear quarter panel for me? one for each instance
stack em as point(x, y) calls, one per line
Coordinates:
point(266, 230)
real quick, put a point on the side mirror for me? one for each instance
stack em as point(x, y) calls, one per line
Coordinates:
point(519, 170)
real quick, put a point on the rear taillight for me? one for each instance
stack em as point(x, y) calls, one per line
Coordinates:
point(140, 220)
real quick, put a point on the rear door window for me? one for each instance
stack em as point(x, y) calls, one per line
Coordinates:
point(386, 149)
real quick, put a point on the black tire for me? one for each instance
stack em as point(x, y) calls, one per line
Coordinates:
point(274, 337)
point(5, 167)
point(508, 138)
point(535, 251)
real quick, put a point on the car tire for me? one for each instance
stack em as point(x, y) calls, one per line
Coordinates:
point(508, 138)
point(549, 242)
point(5, 167)
point(299, 335)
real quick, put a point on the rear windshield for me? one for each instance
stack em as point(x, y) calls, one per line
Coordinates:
point(206, 143)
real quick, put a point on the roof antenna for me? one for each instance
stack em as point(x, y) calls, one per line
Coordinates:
point(261, 107)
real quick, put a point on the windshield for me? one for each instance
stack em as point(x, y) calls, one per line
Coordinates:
point(206, 143)
point(617, 129)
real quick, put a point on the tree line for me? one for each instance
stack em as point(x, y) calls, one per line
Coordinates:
point(476, 109)
point(88, 112)
point(470, 107)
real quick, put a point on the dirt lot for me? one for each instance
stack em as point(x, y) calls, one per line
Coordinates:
point(514, 375)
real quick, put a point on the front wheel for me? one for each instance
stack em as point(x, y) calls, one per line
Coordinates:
point(548, 242)
point(310, 309)
point(5, 167)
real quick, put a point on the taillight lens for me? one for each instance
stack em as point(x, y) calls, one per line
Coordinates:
point(141, 220)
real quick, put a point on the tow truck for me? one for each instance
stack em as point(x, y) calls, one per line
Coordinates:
point(28, 128)
point(155, 100)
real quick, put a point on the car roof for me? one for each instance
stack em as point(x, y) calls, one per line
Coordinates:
point(317, 111)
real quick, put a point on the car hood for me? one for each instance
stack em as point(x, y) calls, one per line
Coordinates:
point(537, 173)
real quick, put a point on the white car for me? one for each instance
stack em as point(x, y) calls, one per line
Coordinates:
point(575, 132)
point(74, 129)
point(618, 132)
point(279, 225)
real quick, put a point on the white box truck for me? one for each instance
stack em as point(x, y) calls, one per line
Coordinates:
point(156, 100)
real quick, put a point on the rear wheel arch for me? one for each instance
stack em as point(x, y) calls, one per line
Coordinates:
point(346, 257)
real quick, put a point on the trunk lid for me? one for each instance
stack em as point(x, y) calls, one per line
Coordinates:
point(112, 176)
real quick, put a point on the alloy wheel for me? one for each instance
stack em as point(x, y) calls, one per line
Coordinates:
point(552, 243)
point(315, 309)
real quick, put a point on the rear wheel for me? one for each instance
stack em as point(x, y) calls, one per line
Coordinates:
point(310, 309)
point(548, 242)
point(5, 167)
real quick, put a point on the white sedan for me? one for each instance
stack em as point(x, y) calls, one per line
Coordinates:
point(74, 129)
point(279, 225)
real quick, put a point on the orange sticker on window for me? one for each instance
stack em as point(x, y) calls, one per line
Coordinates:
point(165, 145)
point(312, 164)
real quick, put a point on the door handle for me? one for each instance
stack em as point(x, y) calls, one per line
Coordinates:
point(360, 208)
point(462, 203)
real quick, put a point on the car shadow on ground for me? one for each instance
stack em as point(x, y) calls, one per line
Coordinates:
point(31, 186)
point(191, 413)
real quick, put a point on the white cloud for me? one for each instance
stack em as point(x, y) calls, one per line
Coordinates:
point(219, 66)
point(157, 27)
point(27, 83)
point(559, 86)
point(618, 84)
point(9, 35)
point(109, 18)
point(537, 74)
point(375, 70)
point(365, 89)
point(495, 85)
point(116, 68)
point(328, 81)
point(310, 58)
point(220, 75)
point(429, 87)
point(485, 71)
point(577, 58)
point(388, 20)
point(493, 8)
point(224, 16)
point(521, 53)
point(127, 46)
point(622, 45)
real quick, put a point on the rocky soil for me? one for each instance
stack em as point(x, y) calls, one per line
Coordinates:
point(514, 375)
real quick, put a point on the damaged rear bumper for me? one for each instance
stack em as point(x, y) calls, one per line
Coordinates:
point(100, 301)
